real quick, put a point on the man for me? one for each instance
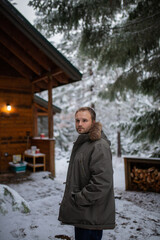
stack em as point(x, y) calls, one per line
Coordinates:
point(88, 202)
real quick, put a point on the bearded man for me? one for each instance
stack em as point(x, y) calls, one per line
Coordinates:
point(88, 202)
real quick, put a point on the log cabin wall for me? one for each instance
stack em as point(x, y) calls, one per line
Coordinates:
point(16, 124)
point(33, 65)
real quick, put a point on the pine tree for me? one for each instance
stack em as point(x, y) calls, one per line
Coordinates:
point(137, 43)
point(131, 43)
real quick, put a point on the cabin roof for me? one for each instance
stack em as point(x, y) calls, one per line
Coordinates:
point(43, 103)
point(26, 54)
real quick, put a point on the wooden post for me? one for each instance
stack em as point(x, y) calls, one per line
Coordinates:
point(118, 135)
point(118, 144)
point(50, 109)
point(34, 114)
point(52, 158)
point(50, 127)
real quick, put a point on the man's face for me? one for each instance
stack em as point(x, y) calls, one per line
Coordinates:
point(83, 121)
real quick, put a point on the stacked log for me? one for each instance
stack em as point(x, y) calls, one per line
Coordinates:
point(145, 179)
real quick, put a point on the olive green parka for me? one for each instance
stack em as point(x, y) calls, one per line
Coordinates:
point(88, 200)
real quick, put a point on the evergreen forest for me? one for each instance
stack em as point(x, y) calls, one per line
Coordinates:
point(122, 37)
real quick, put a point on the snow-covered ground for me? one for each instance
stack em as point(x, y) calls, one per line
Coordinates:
point(137, 214)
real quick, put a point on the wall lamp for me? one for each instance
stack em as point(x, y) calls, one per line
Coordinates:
point(8, 107)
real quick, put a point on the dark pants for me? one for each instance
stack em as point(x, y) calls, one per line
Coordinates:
point(86, 234)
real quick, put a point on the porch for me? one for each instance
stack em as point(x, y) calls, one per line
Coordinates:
point(29, 65)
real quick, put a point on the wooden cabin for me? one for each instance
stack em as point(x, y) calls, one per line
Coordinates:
point(29, 64)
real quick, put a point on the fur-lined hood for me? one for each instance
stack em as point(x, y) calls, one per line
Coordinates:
point(95, 131)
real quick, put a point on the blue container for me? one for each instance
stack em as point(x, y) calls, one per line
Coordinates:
point(18, 167)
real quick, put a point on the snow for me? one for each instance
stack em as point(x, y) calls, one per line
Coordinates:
point(137, 213)
point(12, 201)
point(87, 93)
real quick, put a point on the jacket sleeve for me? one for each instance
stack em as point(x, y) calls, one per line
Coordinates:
point(101, 179)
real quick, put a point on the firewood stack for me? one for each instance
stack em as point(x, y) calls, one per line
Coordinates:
point(145, 179)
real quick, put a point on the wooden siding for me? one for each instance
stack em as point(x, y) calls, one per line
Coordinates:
point(15, 124)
